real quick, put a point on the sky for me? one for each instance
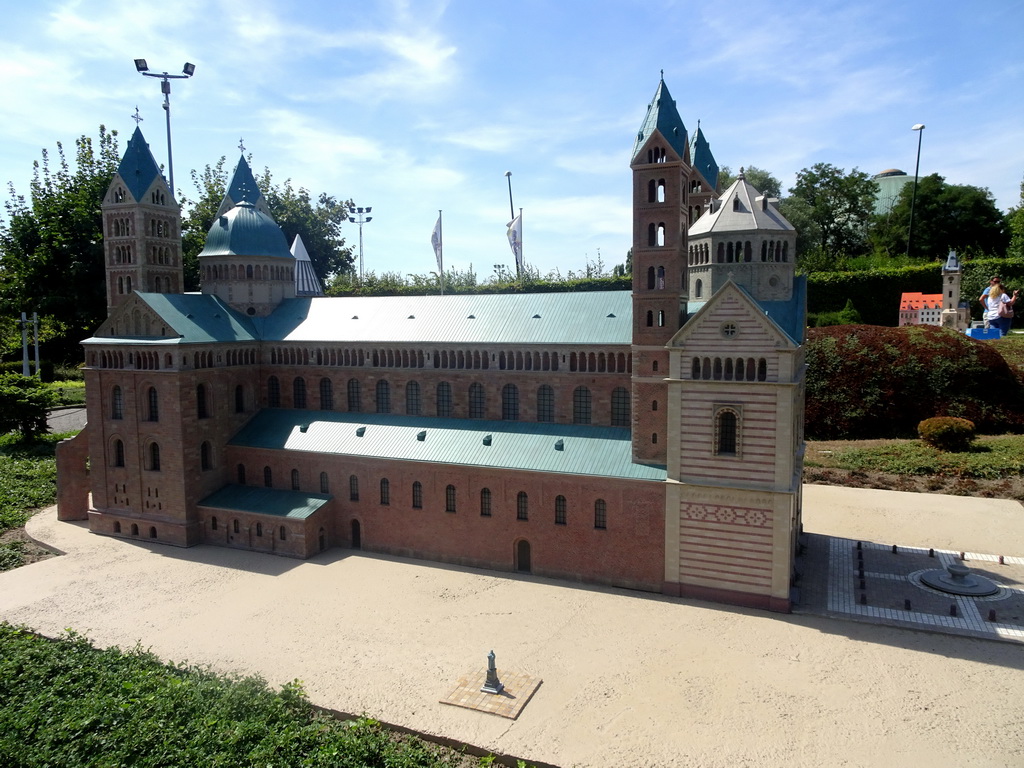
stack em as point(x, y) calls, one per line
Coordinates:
point(414, 107)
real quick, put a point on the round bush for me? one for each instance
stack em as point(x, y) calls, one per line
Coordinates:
point(947, 433)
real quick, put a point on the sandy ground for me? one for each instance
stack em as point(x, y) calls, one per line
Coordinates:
point(629, 679)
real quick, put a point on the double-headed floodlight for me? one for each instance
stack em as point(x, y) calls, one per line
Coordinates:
point(358, 218)
point(165, 87)
point(919, 127)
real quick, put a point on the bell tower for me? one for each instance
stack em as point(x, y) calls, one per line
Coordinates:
point(661, 169)
point(141, 228)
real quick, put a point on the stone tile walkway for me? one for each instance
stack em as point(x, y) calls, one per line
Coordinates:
point(519, 689)
point(878, 585)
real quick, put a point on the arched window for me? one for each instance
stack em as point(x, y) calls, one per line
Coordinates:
point(661, 318)
point(698, 289)
point(510, 402)
point(295, 480)
point(353, 488)
point(153, 403)
point(652, 191)
point(153, 457)
point(444, 400)
point(485, 502)
point(477, 401)
point(326, 394)
point(650, 278)
point(259, 529)
point(273, 392)
point(213, 523)
point(118, 454)
point(283, 533)
point(600, 514)
point(581, 405)
point(299, 392)
point(726, 432)
point(240, 471)
point(413, 400)
point(695, 372)
point(559, 510)
point(202, 411)
point(620, 407)
point(652, 235)
point(355, 400)
point(116, 403)
point(449, 499)
point(762, 369)
point(325, 483)
point(135, 529)
point(417, 495)
point(650, 318)
point(205, 457)
point(385, 492)
point(661, 278)
point(239, 399)
point(268, 477)
point(234, 526)
point(383, 397)
point(545, 403)
point(522, 506)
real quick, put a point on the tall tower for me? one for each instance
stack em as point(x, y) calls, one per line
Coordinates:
point(661, 168)
point(702, 187)
point(141, 228)
point(953, 315)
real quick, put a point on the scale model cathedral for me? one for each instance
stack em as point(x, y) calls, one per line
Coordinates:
point(649, 439)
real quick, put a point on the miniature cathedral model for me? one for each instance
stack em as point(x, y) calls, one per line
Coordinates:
point(649, 439)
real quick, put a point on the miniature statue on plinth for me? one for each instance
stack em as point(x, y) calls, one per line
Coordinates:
point(492, 684)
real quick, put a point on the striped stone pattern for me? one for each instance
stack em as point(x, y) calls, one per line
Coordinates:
point(725, 547)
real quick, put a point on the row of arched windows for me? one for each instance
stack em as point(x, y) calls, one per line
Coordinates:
point(739, 251)
point(160, 228)
point(124, 285)
point(121, 226)
point(162, 285)
point(152, 455)
point(161, 255)
point(582, 400)
point(729, 369)
point(656, 191)
point(247, 272)
point(151, 402)
point(157, 197)
point(151, 360)
point(282, 531)
point(122, 254)
point(599, 362)
point(135, 529)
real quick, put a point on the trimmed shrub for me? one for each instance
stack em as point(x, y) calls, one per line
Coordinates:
point(947, 433)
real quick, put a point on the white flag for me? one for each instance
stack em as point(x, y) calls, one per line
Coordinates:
point(435, 240)
point(515, 239)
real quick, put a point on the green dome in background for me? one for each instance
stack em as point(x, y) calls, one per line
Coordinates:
point(244, 231)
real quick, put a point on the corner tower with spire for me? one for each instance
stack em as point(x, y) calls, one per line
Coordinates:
point(661, 169)
point(141, 228)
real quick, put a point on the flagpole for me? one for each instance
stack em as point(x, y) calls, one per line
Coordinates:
point(511, 208)
point(440, 242)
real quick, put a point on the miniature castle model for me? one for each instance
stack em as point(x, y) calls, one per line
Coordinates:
point(943, 309)
point(650, 439)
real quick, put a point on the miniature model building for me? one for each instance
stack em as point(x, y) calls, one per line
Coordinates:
point(944, 309)
point(650, 439)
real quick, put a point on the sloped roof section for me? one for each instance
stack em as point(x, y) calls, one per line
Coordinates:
point(592, 317)
point(246, 231)
point(306, 281)
point(912, 301)
point(194, 318)
point(243, 189)
point(740, 209)
point(266, 501)
point(138, 167)
point(703, 160)
point(662, 116)
point(559, 448)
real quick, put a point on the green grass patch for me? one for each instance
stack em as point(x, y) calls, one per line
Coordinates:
point(990, 458)
point(28, 477)
point(67, 703)
point(68, 392)
point(1012, 349)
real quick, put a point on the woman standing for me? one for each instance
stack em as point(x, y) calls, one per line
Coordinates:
point(999, 308)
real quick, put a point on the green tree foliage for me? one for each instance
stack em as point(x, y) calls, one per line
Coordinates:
point(318, 221)
point(837, 204)
point(24, 401)
point(763, 181)
point(870, 382)
point(51, 246)
point(947, 217)
point(1015, 225)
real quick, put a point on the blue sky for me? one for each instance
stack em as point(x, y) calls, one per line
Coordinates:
point(411, 107)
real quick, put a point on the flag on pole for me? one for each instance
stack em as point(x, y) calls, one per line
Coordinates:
point(435, 240)
point(515, 239)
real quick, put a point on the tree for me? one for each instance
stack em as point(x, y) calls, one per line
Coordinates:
point(317, 221)
point(838, 204)
point(51, 246)
point(24, 402)
point(763, 181)
point(1015, 225)
point(947, 217)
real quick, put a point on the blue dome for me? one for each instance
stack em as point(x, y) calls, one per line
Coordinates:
point(244, 231)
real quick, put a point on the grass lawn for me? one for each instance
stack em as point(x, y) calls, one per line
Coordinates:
point(68, 392)
point(1012, 349)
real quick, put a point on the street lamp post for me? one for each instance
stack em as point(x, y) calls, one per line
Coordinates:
point(913, 200)
point(165, 87)
point(357, 218)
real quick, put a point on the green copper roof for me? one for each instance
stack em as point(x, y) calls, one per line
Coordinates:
point(191, 318)
point(596, 451)
point(587, 317)
point(703, 160)
point(243, 189)
point(662, 116)
point(266, 501)
point(138, 168)
point(246, 231)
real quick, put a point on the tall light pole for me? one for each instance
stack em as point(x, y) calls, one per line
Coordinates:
point(511, 208)
point(357, 218)
point(165, 86)
point(913, 200)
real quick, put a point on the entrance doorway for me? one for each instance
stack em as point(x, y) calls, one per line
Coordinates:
point(357, 538)
point(523, 556)
point(323, 540)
